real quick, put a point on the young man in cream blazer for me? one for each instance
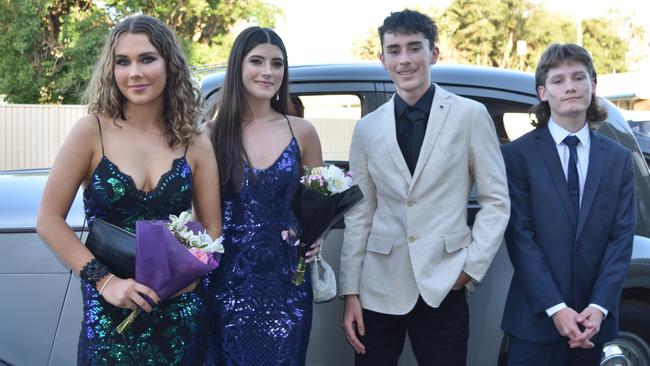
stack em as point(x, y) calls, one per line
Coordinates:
point(408, 252)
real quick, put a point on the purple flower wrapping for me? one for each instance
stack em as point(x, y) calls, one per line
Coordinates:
point(162, 262)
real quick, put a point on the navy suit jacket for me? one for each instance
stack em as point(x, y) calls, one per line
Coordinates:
point(559, 255)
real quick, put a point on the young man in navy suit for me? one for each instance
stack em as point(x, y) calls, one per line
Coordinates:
point(572, 220)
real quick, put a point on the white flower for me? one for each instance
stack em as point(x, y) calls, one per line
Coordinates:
point(185, 217)
point(186, 235)
point(337, 181)
point(213, 246)
point(205, 239)
point(177, 224)
point(194, 241)
point(339, 185)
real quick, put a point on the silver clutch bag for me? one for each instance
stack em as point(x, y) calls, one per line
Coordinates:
point(323, 281)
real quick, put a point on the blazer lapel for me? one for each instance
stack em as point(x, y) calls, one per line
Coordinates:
point(437, 116)
point(597, 154)
point(387, 120)
point(546, 146)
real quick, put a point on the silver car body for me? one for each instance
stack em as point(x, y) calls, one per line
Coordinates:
point(41, 306)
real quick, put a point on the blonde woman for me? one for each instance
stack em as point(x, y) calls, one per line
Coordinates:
point(138, 156)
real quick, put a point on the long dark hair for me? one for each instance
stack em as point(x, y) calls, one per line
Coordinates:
point(232, 106)
point(554, 56)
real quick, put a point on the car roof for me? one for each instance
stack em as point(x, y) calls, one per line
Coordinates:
point(445, 74)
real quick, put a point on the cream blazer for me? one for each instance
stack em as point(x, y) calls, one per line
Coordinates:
point(410, 236)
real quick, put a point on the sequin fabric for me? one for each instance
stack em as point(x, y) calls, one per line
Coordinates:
point(175, 332)
point(259, 316)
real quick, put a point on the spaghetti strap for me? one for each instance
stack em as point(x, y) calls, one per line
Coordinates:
point(289, 123)
point(101, 139)
point(186, 147)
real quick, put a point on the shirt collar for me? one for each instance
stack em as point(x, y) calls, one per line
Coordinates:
point(559, 133)
point(423, 104)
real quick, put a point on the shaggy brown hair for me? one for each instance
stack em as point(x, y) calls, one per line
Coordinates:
point(554, 56)
point(182, 98)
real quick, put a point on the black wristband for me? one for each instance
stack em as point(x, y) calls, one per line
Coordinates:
point(93, 271)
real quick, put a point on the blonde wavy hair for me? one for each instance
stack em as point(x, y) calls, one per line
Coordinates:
point(182, 98)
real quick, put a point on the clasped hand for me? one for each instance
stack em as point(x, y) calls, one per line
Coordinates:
point(129, 294)
point(568, 322)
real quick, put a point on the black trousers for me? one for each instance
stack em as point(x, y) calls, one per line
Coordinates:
point(438, 335)
point(524, 353)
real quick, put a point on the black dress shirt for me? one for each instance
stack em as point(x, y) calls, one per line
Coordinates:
point(411, 125)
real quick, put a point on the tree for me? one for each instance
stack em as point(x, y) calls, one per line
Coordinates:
point(486, 32)
point(367, 47)
point(600, 39)
point(50, 47)
point(42, 49)
point(203, 25)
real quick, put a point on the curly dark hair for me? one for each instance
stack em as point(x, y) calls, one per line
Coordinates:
point(555, 55)
point(182, 108)
point(409, 22)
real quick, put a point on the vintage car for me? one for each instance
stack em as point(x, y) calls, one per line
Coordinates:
point(40, 311)
point(639, 121)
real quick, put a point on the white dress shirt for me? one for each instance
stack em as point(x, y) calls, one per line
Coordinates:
point(559, 134)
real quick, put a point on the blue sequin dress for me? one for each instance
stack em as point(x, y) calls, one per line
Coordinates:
point(259, 316)
point(174, 333)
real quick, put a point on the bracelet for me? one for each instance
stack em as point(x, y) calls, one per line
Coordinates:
point(106, 283)
point(93, 271)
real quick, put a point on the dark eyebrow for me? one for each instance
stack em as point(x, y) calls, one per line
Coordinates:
point(144, 54)
point(410, 44)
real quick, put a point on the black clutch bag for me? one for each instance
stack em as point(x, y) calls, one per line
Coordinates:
point(114, 247)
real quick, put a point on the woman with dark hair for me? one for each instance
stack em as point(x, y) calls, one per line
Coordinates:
point(143, 118)
point(260, 316)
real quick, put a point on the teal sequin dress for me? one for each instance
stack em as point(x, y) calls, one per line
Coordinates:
point(173, 333)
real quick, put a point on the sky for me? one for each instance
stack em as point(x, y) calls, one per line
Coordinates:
point(323, 31)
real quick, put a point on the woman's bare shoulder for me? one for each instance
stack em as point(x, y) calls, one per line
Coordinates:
point(85, 129)
point(302, 127)
point(202, 142)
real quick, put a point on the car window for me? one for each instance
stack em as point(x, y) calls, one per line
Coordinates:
point(517, 124)
point(334, 117)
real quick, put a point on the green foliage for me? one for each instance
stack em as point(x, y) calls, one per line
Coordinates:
point(203, 25)
point(485, 32)
point(600, 39)
point(367, 47)
point(50, 47)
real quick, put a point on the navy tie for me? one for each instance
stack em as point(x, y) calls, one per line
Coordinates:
point(572, 176)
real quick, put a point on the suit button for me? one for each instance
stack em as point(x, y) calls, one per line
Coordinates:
point(411, 239)
point(410, 203)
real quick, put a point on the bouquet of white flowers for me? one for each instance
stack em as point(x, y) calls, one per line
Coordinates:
point(170, 255)
point(323, 197)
